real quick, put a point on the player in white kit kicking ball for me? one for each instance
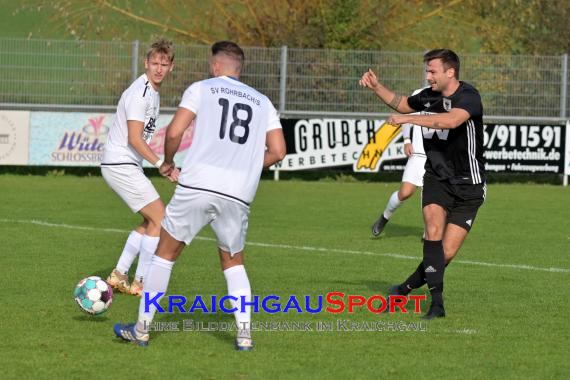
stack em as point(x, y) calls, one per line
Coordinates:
point(237, 133)
point(127, 145)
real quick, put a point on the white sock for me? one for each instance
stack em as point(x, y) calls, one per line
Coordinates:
point(130, 252)
point(238, 285)
point(148, 248)
point(393, 204)
point(156, 282)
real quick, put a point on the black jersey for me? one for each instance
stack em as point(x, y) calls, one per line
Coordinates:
point(455, 155)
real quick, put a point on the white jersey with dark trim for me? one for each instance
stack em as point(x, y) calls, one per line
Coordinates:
point(139, 102)
point(414, 132)
point(232, 120)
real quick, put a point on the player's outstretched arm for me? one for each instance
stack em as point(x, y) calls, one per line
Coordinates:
point(135, 130)
point(180, 122)
point(446, 120)
point(276, 150)
point(390, 98)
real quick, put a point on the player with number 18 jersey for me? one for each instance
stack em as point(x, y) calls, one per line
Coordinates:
point(232, 120)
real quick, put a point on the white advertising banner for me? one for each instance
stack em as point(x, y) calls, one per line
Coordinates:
point(78, 139)
point(14, 135)
point(324, 143)
point(372, 146)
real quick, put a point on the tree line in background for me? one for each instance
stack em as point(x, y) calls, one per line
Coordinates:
point(468, 26)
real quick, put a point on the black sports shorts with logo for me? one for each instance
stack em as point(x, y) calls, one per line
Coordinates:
point(461, 201)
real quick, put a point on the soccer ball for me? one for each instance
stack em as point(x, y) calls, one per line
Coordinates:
point(93, 295)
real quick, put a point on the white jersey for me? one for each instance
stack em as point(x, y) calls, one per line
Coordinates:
point(414, 132)
point(232, 120)
point(139, 102)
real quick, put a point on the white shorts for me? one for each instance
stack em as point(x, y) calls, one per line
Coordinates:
point(130, 183)
point(190, 210)
point(414, 171)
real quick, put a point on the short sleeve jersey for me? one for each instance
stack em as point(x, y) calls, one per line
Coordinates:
point(414, 133)
point(228, 147)
point(454, 155)
point(139, 102)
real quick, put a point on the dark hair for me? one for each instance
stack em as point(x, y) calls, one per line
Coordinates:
point(162, 47)
point(449, 59)
point(230, 49)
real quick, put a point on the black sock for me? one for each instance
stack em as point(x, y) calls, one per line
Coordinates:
point(416, 280)
point(434, 263)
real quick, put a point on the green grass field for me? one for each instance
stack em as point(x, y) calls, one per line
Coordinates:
point(506, 294)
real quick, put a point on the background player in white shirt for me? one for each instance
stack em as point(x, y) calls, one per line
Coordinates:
point(413, 176)
point(127, 145)
point(237, 133)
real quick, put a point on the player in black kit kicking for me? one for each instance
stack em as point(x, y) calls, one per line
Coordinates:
point(454, 182)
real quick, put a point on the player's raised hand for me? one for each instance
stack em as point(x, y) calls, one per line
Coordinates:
point(369, 80)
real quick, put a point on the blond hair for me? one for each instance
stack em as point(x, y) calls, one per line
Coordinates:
point(162, 47)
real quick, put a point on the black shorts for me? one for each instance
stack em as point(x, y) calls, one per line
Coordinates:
point(461, 201)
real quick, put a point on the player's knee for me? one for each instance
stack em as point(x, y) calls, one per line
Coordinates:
point(153, 214)
point(155, 217)
point(153, 227)
point(450, 250)
point(433, 232)
point(449, 255)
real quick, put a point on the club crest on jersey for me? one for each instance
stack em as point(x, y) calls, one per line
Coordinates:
point(447, 104)
point(149, 129)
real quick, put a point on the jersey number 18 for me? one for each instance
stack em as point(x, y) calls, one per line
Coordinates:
point(236, 121)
